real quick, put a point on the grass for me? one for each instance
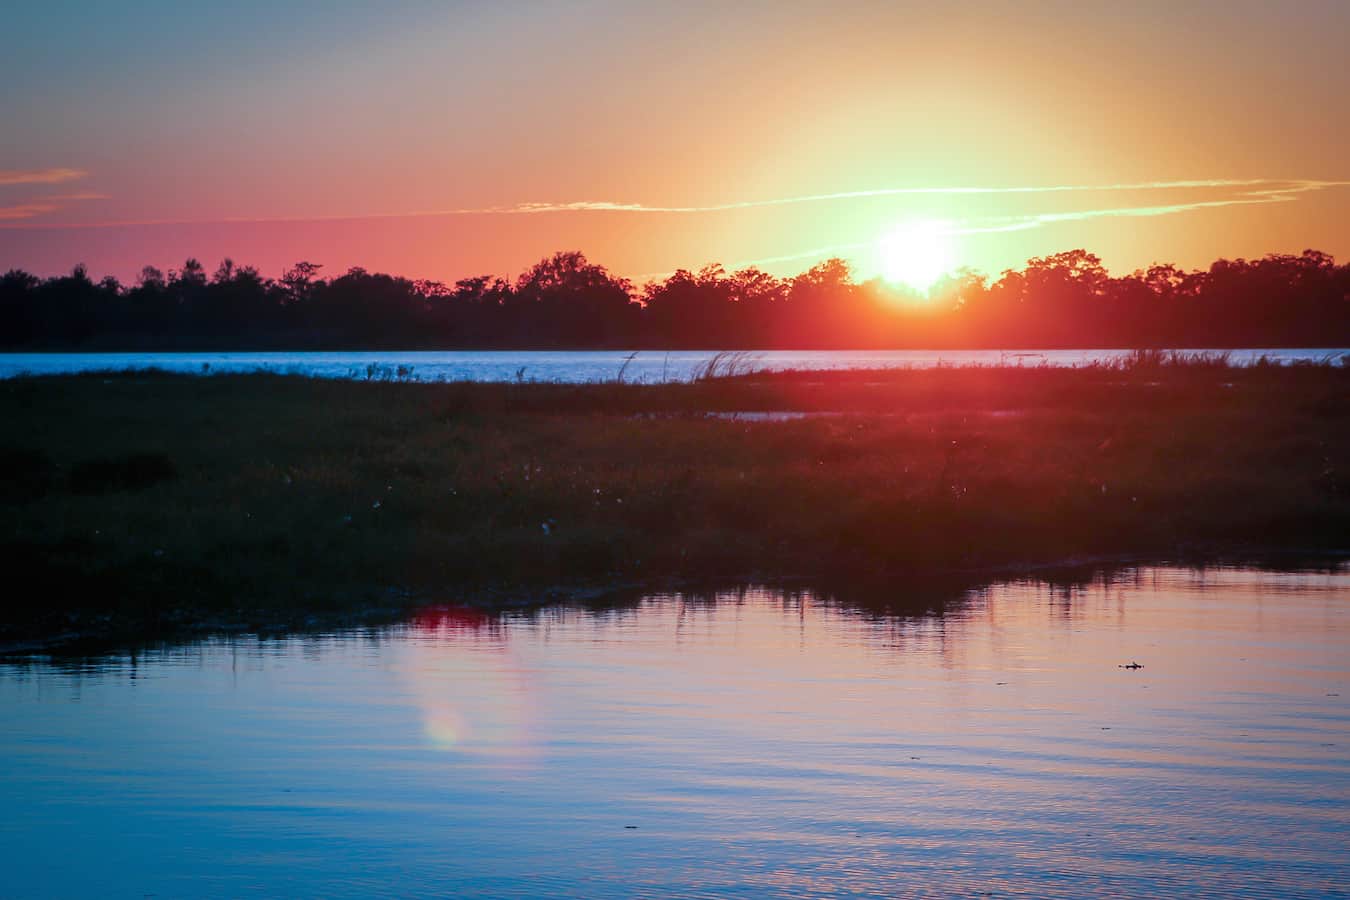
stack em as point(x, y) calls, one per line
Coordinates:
point(148, 499)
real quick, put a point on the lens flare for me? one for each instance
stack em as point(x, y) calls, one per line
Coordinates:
point(473, 694)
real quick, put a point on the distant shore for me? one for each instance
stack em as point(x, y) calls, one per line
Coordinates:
point(646, 366)
point(141, 502)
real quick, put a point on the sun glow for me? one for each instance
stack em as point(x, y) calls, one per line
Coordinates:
point(917, 254)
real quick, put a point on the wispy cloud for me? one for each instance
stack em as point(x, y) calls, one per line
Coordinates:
point(40, 176)
point(613, 206)
point(619, 206)
point(41, 206)
point(1255, 192)
point(1237, 192)
point(1282, 194)
point(1037, 220)
point(20, 212)
point(26, 210)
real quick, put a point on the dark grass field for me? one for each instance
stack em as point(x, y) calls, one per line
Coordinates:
point(139, 500)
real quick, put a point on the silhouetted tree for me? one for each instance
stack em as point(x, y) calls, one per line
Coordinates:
point(567, 300)
point(1066, 299)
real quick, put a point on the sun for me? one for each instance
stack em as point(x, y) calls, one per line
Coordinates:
point(917, 253)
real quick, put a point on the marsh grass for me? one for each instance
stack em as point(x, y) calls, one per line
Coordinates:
point(1146, 360)
point(725, 364)
point(154, 497)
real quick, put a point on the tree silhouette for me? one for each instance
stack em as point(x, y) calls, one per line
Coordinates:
point(1062, 300)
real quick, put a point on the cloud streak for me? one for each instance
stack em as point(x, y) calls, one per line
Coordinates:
point(40, 176)
point(1244, 191)
point(25, 211)
point(612, 206)
point(1266, 191)
point(1037, 220)
point(41, 206)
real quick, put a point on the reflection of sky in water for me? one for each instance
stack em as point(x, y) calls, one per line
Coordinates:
point(763, 744)
point(574, 365)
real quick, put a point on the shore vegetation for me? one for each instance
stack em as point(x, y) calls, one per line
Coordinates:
point(146, 498)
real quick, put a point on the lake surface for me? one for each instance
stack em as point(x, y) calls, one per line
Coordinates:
point(649, 366)
point(762, 744)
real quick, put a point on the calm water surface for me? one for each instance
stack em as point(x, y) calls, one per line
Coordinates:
point(573, 366)
point(763, 744)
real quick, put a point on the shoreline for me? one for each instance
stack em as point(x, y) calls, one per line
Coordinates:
point(102, 638)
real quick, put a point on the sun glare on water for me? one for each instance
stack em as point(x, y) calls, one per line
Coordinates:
point(917, 254)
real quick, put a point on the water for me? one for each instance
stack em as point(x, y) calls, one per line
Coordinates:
point(648, 366)
point(763, 744)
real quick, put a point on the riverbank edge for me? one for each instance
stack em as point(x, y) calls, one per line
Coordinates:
point(104, 635)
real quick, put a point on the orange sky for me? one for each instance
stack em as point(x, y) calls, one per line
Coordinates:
point(416, 140)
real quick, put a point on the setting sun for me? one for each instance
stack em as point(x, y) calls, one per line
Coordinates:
point(917, 253)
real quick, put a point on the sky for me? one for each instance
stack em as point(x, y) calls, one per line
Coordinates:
point(444, 140)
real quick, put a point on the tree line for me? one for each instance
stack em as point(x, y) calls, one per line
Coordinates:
point(565, 301)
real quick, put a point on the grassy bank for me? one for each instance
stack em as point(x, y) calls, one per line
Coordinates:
point(149, 498)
